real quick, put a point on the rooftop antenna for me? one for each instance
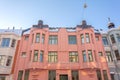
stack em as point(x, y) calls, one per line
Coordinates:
point(108, 19)
point(84, 7)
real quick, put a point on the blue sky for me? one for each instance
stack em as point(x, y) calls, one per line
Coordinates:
point(58, 13)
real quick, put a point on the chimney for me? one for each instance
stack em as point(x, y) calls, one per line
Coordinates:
point(40, 22)
point(84, 22)
point(13, 28)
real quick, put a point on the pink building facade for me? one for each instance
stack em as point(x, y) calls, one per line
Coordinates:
point(47, 53)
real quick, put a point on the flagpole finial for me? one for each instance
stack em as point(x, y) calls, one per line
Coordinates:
point(85, 5)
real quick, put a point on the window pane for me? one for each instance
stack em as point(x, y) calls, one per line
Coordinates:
point(26, 76)
point(97, 38)
point(87, 38)
point(118, 37)
point(100, 53)
point(95, 55)
point(90, 57)
point(92, 39)
point(52, 56)
point(32, 38)
point(43, 38)
point(20, 73)
point(52, 75)
point(72, 39)
point(112, 38)
point(73, 56)
point(117, 54)
point(26, 38)
point(30, 56)
point(13, 43)
point(53, 39)
point(2, 78)
point(35, 59)
point(37, 38)
point(82, 38)
point(98, 72)
point(105, 41)
point(112, 76)
point(2, 59)
point(9, 60)
point(109, 57)
point(41, 56)
point(84, 56)
point(105, 75)
point(23, 54)
point(75, 75)
point(5, 42)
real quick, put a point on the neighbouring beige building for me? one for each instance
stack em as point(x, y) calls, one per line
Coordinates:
point(8, 44)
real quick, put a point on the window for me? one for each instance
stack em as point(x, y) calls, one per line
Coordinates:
point(30, 55)
point(95, 55)
point(37, 38)
point(98, 72)
point(112, 38)
point(118, 37)
point(105, 41)
point(53, 39)
point(112, 76)
point(72, 39)
point(73, 56)
point(13, 43)
point(9, 60)
point(43, 38)
point(41, 56)
point(117, 54)
point(105, 75)
point(92, 38)
point(2, 59)
point(82, 38)
point(35, 58)
point(23, 54)
point(109, 57)
point(100, 53)
point(20, 74)
point(5, 42)
point(26, 38)
point(32, 38)
point(75, 75)
point(97, 38)
point(63, 77)
point(84, 56)
point(2, 78)
point(52, 75)
point(87, 38)
point(26, 75)
point(90, 57)
point(52, 56)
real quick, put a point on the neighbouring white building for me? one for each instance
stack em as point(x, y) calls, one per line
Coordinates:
point(111, 41)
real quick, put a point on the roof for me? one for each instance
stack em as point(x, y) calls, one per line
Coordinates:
point(16, 31)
